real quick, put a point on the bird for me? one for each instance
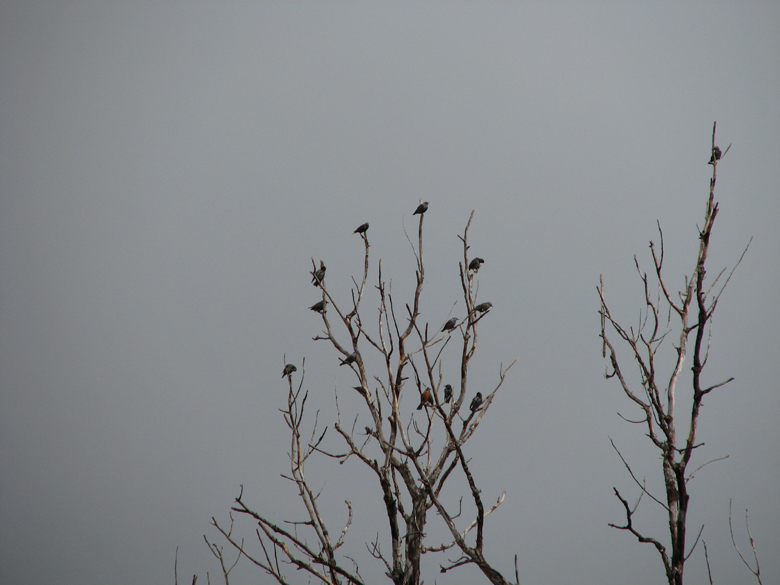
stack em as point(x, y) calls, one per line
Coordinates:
point(319, 275)
point(450, 325)
point(447, 393)
point(476, 403)
point(482, 307)
point(716, 154)
point(426, 399)
point(422, 208)
point(288, 369)
point(319, 307)
point(361, 229)
point(349, 359)
point(475, 264)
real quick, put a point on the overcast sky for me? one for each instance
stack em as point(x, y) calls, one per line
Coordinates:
point(168, 170)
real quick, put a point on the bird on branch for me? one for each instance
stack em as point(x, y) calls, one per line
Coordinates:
point(422, 208)
point(361, 229)
point(476, 403)
point(350, 359)
point(716, 154)
point(319, 307)
point(450, 325)
point(447, 393)
point(426, 399)
point(289, 369)
point(475, 264)
point(482, 307)
point(319, 275)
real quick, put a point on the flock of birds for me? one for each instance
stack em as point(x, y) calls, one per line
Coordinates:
point(426, 399)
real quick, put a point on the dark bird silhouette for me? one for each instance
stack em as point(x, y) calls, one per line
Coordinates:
point(475, 264)
point(319, 275)
point(288, 369)
point(482, 307)
point(716, 154)
point(361, 229)
point(422, 208)
point(350, 359)
point(447, 393)
point(426, 399)
point(319, 307)
point(360, 389)
point(476, 403)
point(450, 325)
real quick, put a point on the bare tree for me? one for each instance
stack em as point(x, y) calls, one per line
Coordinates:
point(411, 449)
point(687, 314)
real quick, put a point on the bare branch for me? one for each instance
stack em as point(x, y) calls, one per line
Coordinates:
point(690, 476)
point(757, 571)
point(693, 548)
point(630, 528)
point(641, 485)
point(707, 558)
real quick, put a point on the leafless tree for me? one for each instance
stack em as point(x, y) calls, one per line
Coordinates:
point(410, 449)
point(687, 315)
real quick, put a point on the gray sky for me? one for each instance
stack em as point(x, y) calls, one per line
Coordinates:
point(168, 170)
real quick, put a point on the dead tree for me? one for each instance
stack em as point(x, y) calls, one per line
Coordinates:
point(687, 315)
point(416, 440)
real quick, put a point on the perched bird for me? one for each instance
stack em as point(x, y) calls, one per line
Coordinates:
point(422, 208)
point(319, 307)
point(476, 403)
point(361, 229)
point(288, 369)
point(475, 264)
point(426, 399)
point(482, 307)
point(360, 389)
point(319, 275)
point(450, 325)
point(716, 154)
point(349, 359)
point(447, 393)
